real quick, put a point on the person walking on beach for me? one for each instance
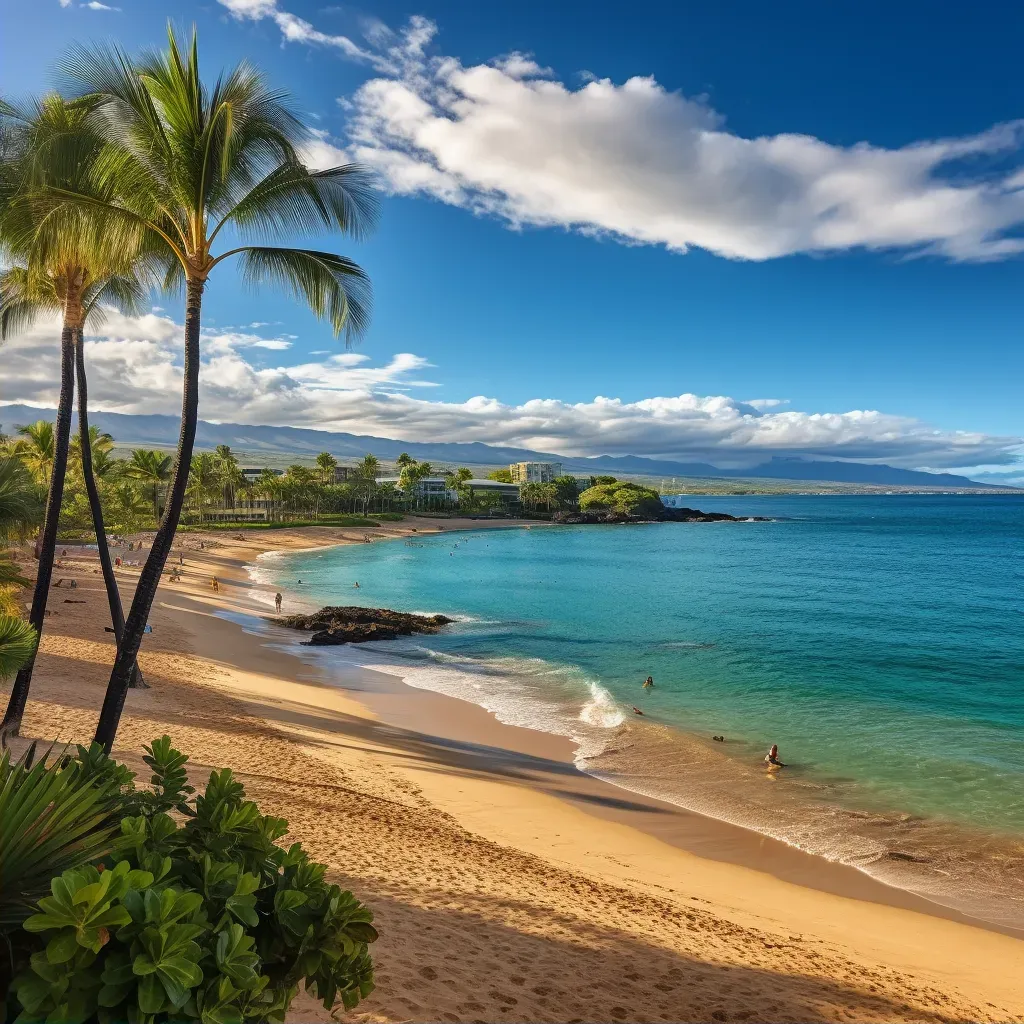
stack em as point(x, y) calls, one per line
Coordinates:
point(277, 603)
point(216, 585)
point(771, 759)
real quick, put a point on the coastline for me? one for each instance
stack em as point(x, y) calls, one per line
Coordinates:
point(885, 952)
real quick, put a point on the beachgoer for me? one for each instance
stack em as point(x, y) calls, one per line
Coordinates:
point(216, 585)
point(277, 602)
point(356, 584)
point(63, 552)
point(181, 558)
point(648, 683)
point(772, 757)
point(636, 710)
point(74, 584)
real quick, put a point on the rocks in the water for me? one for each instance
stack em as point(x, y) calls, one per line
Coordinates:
point(666, 515)
point(351, 625)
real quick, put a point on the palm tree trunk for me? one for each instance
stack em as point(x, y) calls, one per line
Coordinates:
point(149, 579)
point(109, 581)
point(11, 724)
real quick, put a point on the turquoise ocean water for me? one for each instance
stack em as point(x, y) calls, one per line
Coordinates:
point(879, 640)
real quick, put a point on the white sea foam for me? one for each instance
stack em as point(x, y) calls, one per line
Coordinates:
point(602, 710)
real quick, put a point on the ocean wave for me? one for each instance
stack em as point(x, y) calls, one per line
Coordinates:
point(602, 710)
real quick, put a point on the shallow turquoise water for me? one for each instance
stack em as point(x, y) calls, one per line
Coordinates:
point(878, 640)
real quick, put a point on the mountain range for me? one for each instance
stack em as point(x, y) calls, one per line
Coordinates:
point(254, 441)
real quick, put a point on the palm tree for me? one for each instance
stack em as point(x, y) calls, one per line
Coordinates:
point(327, 464)
point(19, 512)
point(153, 470)
point(127, 508)
point(368, 470)
point(203, 481)
point(228, 474)
point(35, 443)
point(184, 163)
point(74, 272)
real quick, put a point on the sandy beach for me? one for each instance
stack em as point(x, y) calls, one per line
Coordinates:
point(506, 884)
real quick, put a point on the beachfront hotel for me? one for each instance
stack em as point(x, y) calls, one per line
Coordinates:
point(535, 472)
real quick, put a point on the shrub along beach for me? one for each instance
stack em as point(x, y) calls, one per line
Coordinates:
point(202, 818)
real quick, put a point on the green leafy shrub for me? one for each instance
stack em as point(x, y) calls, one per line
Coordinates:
point(626, 498)
point(203, 917)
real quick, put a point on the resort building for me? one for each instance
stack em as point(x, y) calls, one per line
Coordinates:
point(534, 472)
point(253, 473)
point(429, 489)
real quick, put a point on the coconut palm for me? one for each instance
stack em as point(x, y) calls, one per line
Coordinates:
point(73, 270)
point(186, 162)
point(229, 476)
point(203, 482)
point(19, 512)
point(34, 445)
point(127, 507)
point(152, 470)
point(327, 464)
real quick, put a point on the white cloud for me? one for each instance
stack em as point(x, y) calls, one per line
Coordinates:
point(95, 5)
point(294, 29)
point(135, 367)
point(646, 165)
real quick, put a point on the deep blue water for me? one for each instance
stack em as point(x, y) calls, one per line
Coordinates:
point(879, 640)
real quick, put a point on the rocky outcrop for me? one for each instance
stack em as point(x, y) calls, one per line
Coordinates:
point(666, 515)
point(350, 625)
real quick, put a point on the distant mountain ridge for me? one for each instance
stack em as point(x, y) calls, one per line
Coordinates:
point(253, 439)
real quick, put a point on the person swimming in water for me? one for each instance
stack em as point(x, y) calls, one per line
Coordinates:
point(636, 710)
point(649, 683)
point(772, 757)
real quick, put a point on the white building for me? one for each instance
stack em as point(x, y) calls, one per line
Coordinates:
point(534, 472)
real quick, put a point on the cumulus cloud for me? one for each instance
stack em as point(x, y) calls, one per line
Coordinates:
point(639, 162)
point(636, 161)
point(135, 367)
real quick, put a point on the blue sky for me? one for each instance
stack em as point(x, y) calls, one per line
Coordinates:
point(676, 200)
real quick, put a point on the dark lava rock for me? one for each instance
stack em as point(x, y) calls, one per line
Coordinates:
point(350, 625)
point(666, 515)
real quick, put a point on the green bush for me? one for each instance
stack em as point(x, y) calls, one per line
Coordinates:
point(200, 917)
point(627, 498)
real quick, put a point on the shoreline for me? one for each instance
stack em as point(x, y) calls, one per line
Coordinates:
point(514, 789)
point(697, 831)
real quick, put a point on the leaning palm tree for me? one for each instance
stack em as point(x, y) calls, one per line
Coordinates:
point(74, 273)
point(186, 163)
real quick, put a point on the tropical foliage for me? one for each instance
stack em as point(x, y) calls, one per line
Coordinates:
point(202, 916)
point(626, 498)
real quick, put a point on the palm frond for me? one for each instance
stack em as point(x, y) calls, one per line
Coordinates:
point(292, 197)
point(334, 288)
point(19, 500)
point(17, 644)
point(24, 296)
point(53, 816)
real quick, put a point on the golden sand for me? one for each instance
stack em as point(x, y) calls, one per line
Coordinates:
point(506, 885)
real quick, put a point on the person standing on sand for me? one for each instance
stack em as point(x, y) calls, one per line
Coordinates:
point(277, 602)
point(216, 585)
